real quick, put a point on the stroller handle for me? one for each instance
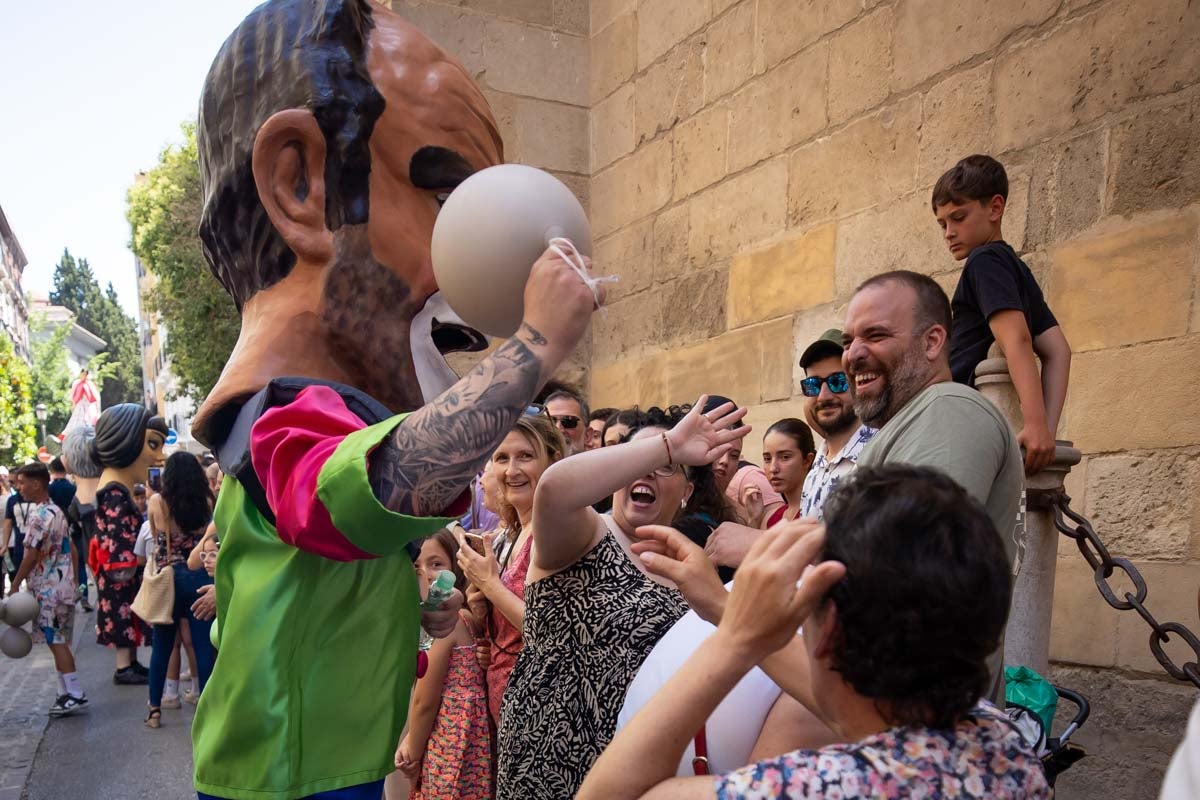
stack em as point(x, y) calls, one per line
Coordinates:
point(1083, 709)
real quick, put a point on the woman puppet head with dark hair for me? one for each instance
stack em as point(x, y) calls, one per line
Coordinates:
point(127, 440)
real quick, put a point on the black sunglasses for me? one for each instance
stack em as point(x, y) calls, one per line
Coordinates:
point(568, 421)
point(837, 382)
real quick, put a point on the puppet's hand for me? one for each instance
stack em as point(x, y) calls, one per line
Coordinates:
point(441, 622)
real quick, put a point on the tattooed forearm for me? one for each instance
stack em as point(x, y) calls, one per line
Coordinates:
point(432, 456)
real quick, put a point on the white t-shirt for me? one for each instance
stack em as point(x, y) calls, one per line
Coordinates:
point(734, 725)
point(144, 542)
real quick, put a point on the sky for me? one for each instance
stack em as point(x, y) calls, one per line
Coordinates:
point(91, 93)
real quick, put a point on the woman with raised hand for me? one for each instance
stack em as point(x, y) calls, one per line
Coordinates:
point(496, 591)
point(591, 612)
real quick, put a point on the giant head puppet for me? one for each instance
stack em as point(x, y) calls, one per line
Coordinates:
point(330, 133)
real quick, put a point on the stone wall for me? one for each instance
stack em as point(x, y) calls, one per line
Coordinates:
point(749, 162)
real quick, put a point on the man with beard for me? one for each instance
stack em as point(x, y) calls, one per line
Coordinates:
point(330, 133)
point(829, 409)
point(897, 357)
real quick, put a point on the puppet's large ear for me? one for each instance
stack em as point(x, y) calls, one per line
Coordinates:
point(289, 172)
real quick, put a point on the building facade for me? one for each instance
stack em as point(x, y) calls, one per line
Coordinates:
point(158, 382)
point(14, 315)
point(82, 345)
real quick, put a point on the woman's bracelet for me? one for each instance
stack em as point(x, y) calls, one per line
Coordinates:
point(667, 442)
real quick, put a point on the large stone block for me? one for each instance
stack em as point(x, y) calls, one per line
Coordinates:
point(552, 136)
point(1101, 61)
point(899, 235)
point(1075, 599)
point(662, 24)
point(1170, 597)
point(729, 57)
point(612, 127)
point(783, 278)
point(1135, 726)
point(632, 188)
point(778, 109)
point(956, 117)
point(671, 230)
point(693, 306)
point(613, 55)
point(787, 26)
point(860, 61)
point(579, 185)
point(764, 415)
point(628, 254)
point(536, 62)
point(1079, 184)
point(932, 36)
point(739, 212)
point(458, 33)
point(627, 328)
point(700, 145)
point(1129, 283)
point(729, 364)
point(869, 161)
point(778, 351)
point(669, 91)
point(1163, 417)
point(630, 382)
point(1145, 505)
point(603, 12)
point(539, 12)
point(571, 16)
point(1156, 160)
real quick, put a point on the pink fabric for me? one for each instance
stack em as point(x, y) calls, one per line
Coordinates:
point(288, 447)
point(752, 476)
point(505, 635)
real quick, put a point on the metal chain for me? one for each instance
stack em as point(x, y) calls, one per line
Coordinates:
point(1074, 525)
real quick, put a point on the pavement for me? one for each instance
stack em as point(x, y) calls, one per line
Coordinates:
point(101, 753)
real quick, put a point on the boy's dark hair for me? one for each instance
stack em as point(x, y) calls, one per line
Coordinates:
point(36, 471)
point(976, 177)
point(926, 592)
point(933, 306)
point(56, 465)
point(602, 414)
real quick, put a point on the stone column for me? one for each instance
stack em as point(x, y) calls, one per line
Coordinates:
point(1027, 639)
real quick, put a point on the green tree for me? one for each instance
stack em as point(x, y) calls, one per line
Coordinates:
point(164, 212)
point(51, 374)
point(76, 287)
point(18, 426)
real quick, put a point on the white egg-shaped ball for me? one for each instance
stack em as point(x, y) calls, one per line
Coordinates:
point(15, 643)
point(20, 608)
point(490, 231)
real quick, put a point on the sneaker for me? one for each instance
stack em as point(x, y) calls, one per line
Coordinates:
point(86, 606)
point(191, 698)
point(67, 704)
point(171, 701)
point(129, 677)
point(137, 667)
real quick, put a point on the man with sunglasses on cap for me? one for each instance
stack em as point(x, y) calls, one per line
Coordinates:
point(829, 409)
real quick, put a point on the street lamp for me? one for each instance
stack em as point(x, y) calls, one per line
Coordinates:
point(39, 411)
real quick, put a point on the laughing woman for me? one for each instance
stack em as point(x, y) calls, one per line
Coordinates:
point(591, 613)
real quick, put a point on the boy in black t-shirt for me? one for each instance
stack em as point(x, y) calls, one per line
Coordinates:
point(998, 300)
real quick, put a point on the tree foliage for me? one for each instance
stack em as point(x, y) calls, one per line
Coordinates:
point(76, 287)
point(18, 426)
point(202, 322)
point(52, 376)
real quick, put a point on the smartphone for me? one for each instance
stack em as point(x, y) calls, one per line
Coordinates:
point(155, 479)
point(475, 542)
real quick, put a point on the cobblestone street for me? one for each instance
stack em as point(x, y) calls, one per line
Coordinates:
point(27, 688)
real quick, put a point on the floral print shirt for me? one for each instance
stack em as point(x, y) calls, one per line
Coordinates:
point(826, 472)
point(983, 757)
point(53, 579)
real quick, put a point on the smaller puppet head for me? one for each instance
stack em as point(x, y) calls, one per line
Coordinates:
point(126, 436)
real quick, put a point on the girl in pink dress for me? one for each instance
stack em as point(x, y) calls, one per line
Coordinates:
point(447, 752)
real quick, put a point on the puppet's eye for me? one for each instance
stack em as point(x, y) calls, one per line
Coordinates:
point(442, 197)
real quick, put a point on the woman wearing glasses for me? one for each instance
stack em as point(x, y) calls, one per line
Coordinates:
point(592, 613)
point(496, 592)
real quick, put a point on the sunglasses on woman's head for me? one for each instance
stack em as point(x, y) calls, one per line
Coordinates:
point(535, 410)
point(837, 382)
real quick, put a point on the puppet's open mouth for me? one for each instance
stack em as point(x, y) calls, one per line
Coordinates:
point(451, 337)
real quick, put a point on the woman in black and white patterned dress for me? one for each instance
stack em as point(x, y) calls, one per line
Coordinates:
point(592, 614)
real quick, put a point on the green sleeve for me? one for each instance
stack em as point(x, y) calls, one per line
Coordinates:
point(345, 489)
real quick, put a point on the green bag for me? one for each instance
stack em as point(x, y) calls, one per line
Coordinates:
point(1026, 688)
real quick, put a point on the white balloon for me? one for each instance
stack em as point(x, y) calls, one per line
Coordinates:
point(490, 231)
point(20, 608)
point(15, 643)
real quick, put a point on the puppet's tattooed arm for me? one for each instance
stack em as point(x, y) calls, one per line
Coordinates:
point(432, 456)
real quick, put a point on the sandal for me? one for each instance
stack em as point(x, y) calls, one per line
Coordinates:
point(154, 718)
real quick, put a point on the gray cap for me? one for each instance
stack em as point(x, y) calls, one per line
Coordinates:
point(830, 344)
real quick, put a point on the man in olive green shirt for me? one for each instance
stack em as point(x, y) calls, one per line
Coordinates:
point(897, 354)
